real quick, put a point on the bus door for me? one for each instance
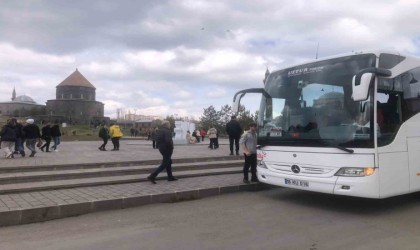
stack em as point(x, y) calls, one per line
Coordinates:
point(392, 150)
point(414, 162)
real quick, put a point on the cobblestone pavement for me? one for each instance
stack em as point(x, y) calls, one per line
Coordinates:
point(28, 207)
point(76, 152)
point(107, 192)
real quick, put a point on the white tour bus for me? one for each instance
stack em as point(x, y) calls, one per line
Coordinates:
point(346, 125)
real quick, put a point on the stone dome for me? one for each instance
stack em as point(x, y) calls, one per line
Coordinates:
point(24, 98)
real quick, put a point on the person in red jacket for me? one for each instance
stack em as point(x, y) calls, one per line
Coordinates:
point(203, 134)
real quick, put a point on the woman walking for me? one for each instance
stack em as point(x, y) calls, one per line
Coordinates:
point(115, 134)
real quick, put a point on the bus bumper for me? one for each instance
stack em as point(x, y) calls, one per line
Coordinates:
point(323, 185)
point(367, 187)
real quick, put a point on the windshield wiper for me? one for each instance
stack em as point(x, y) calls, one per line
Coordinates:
point(348, 150)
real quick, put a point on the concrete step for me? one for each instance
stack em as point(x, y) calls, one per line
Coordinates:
point(100, 171)
point(39, 206)
point(119, 163)
point(106, 180)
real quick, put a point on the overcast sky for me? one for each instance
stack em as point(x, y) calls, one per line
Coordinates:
point(178, 57)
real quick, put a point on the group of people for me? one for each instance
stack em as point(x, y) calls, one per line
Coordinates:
point(15, 134)
point(114, 133)
point(197, 134)
point(248, 141)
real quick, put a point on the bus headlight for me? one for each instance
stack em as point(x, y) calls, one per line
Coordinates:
point(355, 172)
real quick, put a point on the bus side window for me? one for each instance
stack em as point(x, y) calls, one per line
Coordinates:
point(410, 104)
point(391, 113)
point(388, 116)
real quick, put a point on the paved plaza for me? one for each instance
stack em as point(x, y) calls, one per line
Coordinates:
point(75, 152)
point(35, 206)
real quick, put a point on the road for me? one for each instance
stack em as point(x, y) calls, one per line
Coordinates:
point(272, 219)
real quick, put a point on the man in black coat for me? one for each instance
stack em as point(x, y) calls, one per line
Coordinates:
point(46, 135)
point(20, 138)
point(166, 148)
point(32, 134)
point(234, 130)
point(8, 138)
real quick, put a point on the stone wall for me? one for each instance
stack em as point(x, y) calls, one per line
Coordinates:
point(76, 111)
point(75, 92)
point(20, 109)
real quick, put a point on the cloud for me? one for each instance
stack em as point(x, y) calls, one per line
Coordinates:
point(217, 93)
point(29, 61)
point(182, 94)
point(184, 55)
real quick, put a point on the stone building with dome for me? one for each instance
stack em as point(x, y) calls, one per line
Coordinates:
point(21, 106)
point(333, 100)
point(75, 101)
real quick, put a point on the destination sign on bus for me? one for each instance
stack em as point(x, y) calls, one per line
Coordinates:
point(305, 70)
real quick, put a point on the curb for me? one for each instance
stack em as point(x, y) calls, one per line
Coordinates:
point(46, 213)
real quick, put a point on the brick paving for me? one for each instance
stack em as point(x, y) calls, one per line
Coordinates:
point(30, 207)
point(76, 152)
point(37, 206)
point(88, 194)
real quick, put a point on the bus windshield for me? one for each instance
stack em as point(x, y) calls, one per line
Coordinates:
point(311, 105)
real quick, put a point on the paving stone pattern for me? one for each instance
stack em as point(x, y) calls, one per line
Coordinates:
point(75, 152)
point(23, 208)
point(37, 206)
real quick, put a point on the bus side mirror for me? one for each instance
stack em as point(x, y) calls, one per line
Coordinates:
point(362, 80)
point(237, 102)
point(360, 86)
point(238, 96)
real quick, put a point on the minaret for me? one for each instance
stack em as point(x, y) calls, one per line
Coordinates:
point(267, 73)
point(14, 94)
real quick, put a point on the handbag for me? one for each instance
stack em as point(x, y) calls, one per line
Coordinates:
point(39, 143)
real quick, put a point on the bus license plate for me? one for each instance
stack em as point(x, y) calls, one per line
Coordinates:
point(296, 183)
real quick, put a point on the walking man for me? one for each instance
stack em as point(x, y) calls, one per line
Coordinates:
point(19, 139)
point(8, 138)
point(153, 136)
point(166, 148)
point(46, 135)
point(32, 134)
point(234, 130)
point(249, 146)
point(104, 134)
point(56, 135)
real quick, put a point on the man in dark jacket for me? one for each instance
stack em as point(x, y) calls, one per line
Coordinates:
point(32, 134)
point(153, 136)
point(8, 138)
point(46, 135)
point(20, 138)
point(234, 130)
point(56, 135)
point(166, 148)
point(104, 135)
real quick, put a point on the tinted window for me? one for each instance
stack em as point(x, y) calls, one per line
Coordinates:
point(388, 61)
